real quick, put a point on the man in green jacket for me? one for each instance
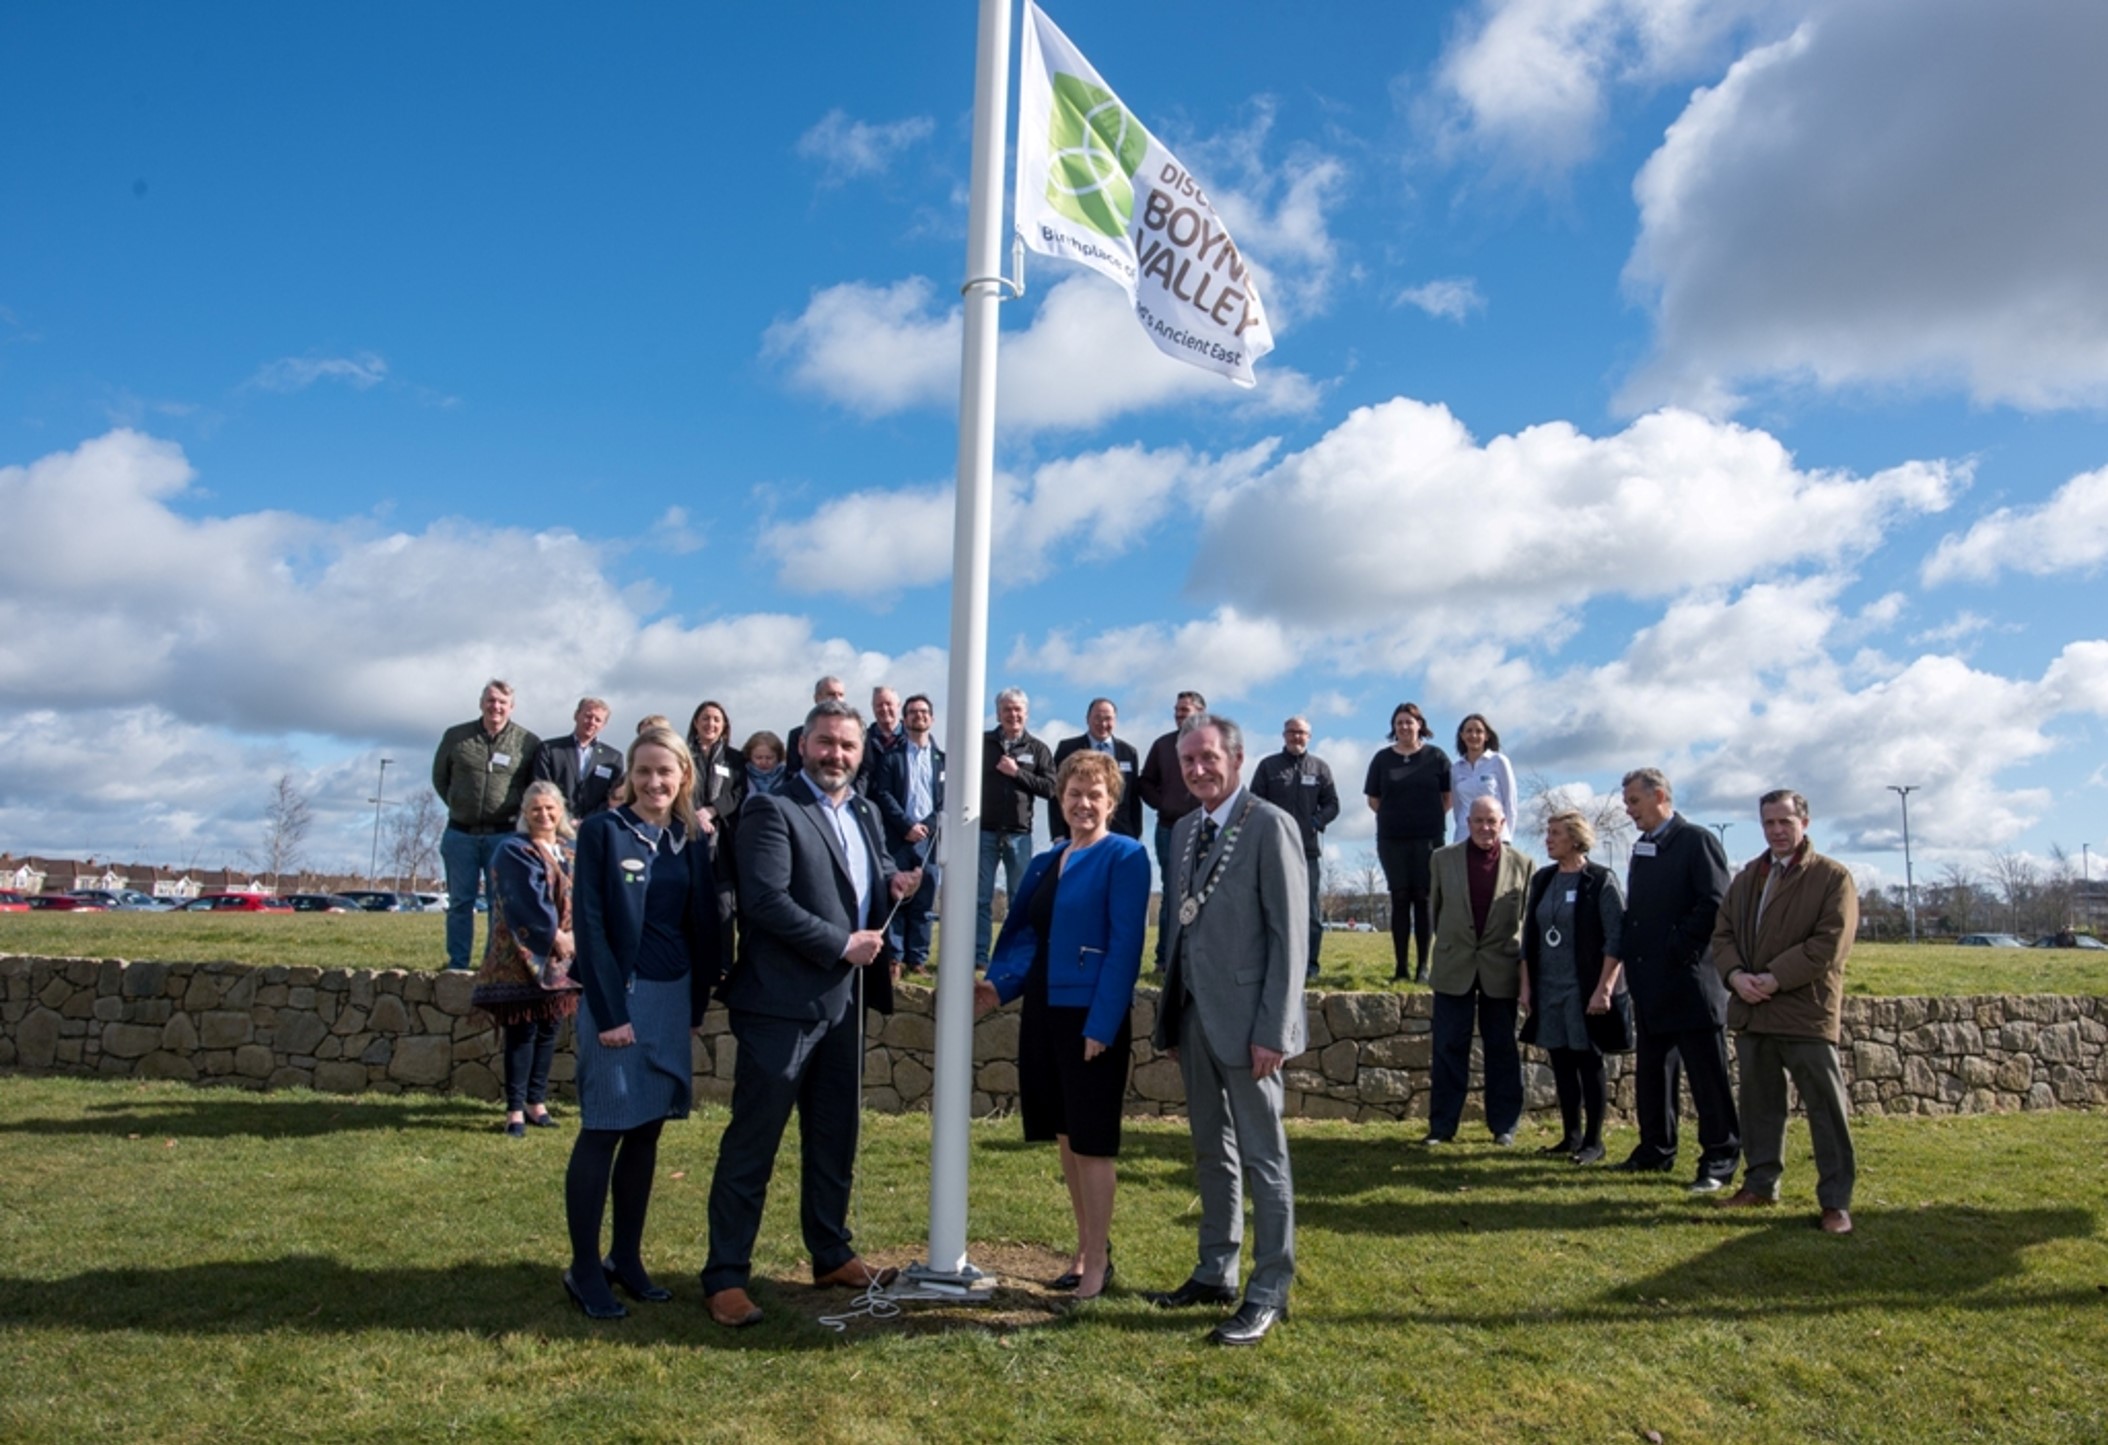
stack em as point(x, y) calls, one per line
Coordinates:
point(1784, 931)
point(479, 772)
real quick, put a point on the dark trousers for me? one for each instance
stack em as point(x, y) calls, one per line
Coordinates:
point(1316, 866)
point(1577, 1075)
point(530, 1048)
point(1162, 838)
point(1699, 1056)
point(785, 1064)
point(1409, 875)
point(1455, 1015)
point(909, 934)
point(1767, 1062)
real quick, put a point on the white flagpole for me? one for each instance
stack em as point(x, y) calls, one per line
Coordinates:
point(951, 1107)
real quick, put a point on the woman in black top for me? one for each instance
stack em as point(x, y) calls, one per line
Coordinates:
point(720, 791)
point(1572, 986)
point(1408, 791)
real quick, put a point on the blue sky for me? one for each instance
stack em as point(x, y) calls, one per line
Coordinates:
point(1710, 383)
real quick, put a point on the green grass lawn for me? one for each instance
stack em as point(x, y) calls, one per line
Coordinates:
point(1349, 960)
point(195, 1265)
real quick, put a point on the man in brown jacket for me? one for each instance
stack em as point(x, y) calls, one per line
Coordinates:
point(1477, 894)
point(1785, 929)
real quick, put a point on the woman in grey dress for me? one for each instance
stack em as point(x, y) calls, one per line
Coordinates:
point(1572, 982)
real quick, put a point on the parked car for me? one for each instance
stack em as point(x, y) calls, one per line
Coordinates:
point(13, 902)
point(2069, 939)
point(236, 903)
point(381, 900)
point(63, 903)
point(324, 903)
point(122, 900)
point(432, 902)
point(1990, 940)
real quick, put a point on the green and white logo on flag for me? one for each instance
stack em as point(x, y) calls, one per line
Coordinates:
point(1096, 147)
point(1096, 188)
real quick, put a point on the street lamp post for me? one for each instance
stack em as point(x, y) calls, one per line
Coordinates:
point(1910, 883)
point(373, 860)
point(1721, 829)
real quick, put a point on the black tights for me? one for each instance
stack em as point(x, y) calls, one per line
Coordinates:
point(1578, 1076)
point(1411, 916)
point(628, 1157)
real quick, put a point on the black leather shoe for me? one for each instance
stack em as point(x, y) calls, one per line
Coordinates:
point(1565, 1146)
point(1588, 1154)
point(1066, 1281)
point(1249, 1325)
point(610, 1311)
point(1191, 1293)
point(541, 1121)
point(1637, 1163)
point(515, 1130)
point(651, 1294)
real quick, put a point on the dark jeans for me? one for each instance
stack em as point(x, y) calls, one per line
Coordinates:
point(1455, 1015)
point(1577, 1074)
point(530, 1048)
point(1010, 852)
point(1317, 912)
point(467, 857)
point(910, 932)
point(1409, 875)
point(1700, 1057)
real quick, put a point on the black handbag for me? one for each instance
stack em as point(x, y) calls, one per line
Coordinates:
point(1612, 1032)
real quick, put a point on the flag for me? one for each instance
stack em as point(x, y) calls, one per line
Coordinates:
point(1093, 185)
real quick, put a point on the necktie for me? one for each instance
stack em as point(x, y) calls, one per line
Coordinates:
point(1208, 830)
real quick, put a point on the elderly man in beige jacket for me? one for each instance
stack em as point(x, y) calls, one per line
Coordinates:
point(1477, 894)
point(1785, 929)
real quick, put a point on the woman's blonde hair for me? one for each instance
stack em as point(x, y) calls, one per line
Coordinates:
point(1577, 828)
point(565, 828)
point(684, 796)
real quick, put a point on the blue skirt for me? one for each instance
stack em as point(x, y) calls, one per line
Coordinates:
point(652, 1078)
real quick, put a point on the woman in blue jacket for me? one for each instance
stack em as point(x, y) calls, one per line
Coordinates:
point(648, 958)
point(1072, 945)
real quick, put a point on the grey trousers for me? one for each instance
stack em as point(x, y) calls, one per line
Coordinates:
point(1237, 1131)
point(1766, 1060)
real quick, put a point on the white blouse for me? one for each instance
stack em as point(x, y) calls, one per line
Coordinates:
point(1490, 777)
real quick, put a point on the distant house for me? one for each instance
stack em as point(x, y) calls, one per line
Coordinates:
point(21, 875)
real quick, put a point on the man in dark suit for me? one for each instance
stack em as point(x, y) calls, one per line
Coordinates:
point(1100, 721)
point(827, 689)
point(814, 887)
point(909, 791)
point(1232, 1012)
point(1672, 901)
point(1299, 783)
point(583, 768)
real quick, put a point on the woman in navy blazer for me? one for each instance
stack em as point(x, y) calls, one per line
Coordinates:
point(645, 904)
point(1072, 945)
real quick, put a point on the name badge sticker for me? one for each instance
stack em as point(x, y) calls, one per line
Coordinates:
point(501, 760)
point(720, 769)
point(1643, 849)
point(602, 770)
point(1310, 780)
point(1572, 894)
point(1126, 766)
point(634, 868)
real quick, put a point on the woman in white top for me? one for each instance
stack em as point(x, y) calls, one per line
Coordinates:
point(1479, 771)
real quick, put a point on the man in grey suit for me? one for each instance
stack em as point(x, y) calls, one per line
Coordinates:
point(814, 886)
point(1232, 1013)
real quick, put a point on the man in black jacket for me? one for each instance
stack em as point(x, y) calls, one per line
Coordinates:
point(1299, 783)
point(583, 768)
point(909, 792)
point(1672, 901)
point(1016, 767)
point(1100, 719)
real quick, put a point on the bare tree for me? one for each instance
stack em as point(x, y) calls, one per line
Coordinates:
point(1605, 813)
point(2016, 879)
point(287, 819)
point(414, 828)
point(1956, 897)
point(1368, 881)
point(2060, 889)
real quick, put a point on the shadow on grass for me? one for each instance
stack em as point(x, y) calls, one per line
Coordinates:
point(219, 1114)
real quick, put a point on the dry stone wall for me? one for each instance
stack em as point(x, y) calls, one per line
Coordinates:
point(354, 1031)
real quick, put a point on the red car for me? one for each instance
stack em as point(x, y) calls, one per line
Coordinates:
point(63, 903)
point(236, 903)
point(13, 902)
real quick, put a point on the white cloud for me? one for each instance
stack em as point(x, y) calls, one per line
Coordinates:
point(1225, 656)
point(1452, 298)
point(2068, 533)
point(1902, 192)
point(1530, 81)
point(297, 373)
point(269, 622)
point(1278, 207)
point(846, 148)
point(1398, 511)
point(1082, 361)
point(1080, 509)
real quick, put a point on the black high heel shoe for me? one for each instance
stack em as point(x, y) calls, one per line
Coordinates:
point(1105, 1286)
point(592, 1311)
point(651, 1294)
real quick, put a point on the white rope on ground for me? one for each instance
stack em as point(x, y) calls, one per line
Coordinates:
point(873, 1304)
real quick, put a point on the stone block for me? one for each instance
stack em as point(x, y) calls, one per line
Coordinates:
point(426, 1062)
point(254, 1061)
point(1406, 1051)
point(880, 1099)
point(271, 995)
point(1876, 1061)
point(1159, 1082)
point(301, 1033)
point(179, 1035)
point(203, 992)
point(1361, 1015)
point(997, 1077)
point(162, 1064)
point(725, 1053)
point(2058, 1044)
point(1319, 1032)
point(340, 1078)
point(451, 991)
point(221, 1029)
point(910, 1031)
point(130, 1041)
point(107, 1009)
point(1976, 1072)
point(378, 1052)
point(67, 1053)
point(719, 1091)
point(433, 1019)
point(995, 1037)
point(80, 1004)
point(300, 998)
point(389, 1016)
point(54, 993)
point(878, 1067)
point(1382, 1085)
point(910, 1080)
point(1318, 1106)
point(1340, 1060)
point(290, 1077)
point(2015, 1074)
point(477, 1081)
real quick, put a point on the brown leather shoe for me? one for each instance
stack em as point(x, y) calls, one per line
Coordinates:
point(733, 1308)
point(1836, 1221)
point(1745, 1199)
point(856, 1275)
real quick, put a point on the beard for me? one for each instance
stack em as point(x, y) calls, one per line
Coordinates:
point(832, 778)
